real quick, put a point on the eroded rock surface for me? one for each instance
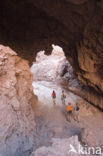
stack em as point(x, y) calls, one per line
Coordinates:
point(90, 55)
point(53, 68)
point(17, 124)
point(75, 25)
point(48, 68)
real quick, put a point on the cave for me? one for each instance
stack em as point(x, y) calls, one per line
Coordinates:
point(31, 26)
point(53, 72)
point(26, 28)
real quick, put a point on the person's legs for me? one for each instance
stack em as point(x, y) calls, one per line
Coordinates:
point(77, 116)
point(78, 119)
point(69, 116)
point(54, 101)
point(63, 101)
point(73, 115)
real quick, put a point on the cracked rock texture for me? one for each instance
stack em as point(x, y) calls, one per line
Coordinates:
point(17, 124)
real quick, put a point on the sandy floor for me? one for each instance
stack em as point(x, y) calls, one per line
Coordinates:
point(44, 90)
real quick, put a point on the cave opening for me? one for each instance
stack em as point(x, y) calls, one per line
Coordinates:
point(53, 72)
point(28, 27)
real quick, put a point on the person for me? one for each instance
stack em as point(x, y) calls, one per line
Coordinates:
point(77, 113)
point(63, 97)
point(69, 111)
point(54, 97)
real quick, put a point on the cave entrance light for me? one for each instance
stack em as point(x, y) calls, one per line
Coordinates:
point(48, 72)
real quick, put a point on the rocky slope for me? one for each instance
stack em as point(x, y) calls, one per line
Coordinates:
point(17, 124)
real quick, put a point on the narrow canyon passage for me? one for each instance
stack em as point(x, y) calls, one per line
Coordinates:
point(64, 38)
point(51, 120)
point(52, 117)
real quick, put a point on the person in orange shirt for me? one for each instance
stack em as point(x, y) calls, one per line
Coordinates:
point(69, 110)
point(54, 97)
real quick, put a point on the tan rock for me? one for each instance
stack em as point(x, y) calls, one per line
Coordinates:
point(87, 138)
point(17, 122)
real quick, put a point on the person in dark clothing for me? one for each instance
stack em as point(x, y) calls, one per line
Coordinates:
point(76, 112)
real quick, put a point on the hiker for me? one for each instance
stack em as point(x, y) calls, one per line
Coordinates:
point(63, 97)
point(69, 111)
point(76, 113)
point(54, 97)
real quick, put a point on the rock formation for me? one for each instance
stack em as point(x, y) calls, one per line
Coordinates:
point(33, 25)
point(75, 25)
point(52, 68)
point(90, 56)
point(17, 124)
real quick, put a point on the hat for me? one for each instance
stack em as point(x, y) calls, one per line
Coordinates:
point(69, 103)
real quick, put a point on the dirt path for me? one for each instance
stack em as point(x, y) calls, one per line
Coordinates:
point(51, 120)
point(44, 90)
point(51, 123)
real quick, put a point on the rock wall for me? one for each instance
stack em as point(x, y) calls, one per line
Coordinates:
point(75, 25)
point(90, 54)
point(17, 121)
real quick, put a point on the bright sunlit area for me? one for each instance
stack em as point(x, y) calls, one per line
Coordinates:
point(50, 73)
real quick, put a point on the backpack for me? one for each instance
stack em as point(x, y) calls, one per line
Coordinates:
point(69, 108)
